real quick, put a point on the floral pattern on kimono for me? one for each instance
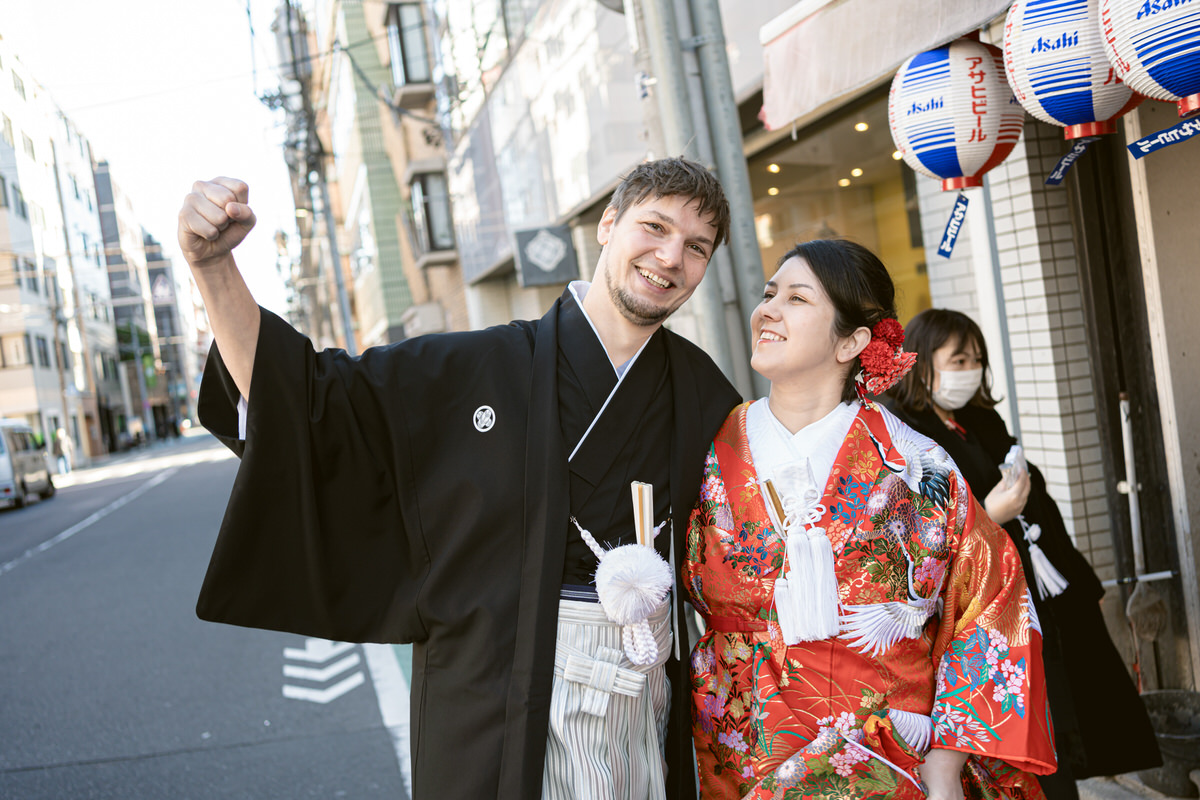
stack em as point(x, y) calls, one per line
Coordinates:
point(939, 644)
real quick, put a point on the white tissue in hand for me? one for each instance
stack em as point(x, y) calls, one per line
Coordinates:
point(632, 581)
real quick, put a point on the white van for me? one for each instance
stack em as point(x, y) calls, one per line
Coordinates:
point(23, 466)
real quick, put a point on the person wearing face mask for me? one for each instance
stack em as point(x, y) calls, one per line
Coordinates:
point(1100, 724)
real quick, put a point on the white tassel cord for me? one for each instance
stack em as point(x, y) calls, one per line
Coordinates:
point(632, 581)
point(1050, 582)
point(806, 597)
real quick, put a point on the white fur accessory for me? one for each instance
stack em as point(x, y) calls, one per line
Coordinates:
point(632, 581)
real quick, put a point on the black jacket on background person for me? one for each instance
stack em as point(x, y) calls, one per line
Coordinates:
point(374, 503)
point(1100, 723)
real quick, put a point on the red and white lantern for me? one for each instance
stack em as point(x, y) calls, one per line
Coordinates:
point(1154, 45)
point(952, 113)
point(1056, 63)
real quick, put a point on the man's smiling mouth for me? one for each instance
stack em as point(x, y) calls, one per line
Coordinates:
point(654, 279)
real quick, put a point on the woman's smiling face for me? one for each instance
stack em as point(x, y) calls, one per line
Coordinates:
point(793, 326)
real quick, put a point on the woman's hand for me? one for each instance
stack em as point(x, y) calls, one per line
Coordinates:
point(942, 774)
point(1003, 505)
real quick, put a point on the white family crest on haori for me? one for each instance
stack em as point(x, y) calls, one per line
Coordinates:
point(484, 419)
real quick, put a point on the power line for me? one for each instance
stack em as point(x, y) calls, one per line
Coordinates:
point(379, 95)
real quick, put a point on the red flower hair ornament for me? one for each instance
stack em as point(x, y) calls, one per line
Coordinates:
point(883, 360)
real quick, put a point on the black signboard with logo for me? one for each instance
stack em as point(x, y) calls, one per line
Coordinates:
point(546, 256)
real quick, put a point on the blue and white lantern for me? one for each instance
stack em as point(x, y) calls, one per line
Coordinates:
point(1056, 63)
point(952, 113)
point(1154, 45)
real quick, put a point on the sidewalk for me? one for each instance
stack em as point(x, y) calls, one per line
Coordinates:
point(193, 440)
point(1121, 787)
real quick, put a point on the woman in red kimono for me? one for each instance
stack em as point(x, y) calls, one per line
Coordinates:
point(869, 629)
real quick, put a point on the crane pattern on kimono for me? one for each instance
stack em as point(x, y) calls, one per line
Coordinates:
point(926, 469)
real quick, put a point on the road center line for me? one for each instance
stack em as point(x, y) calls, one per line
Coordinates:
point(89, 521)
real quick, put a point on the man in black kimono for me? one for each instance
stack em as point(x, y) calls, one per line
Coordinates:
point(423, 491)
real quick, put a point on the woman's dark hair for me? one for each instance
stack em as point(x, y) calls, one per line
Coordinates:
point(856, 282)
point(925, 334)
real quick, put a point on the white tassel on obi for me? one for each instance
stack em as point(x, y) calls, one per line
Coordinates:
point(806, 596)
point(1050, 582)
point(632, 580)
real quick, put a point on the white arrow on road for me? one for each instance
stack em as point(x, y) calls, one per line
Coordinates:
point(321, 675)
point(321, 652)
point(323, 695)
point(317, 651)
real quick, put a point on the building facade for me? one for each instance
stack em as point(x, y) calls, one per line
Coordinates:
point(1080, 289)
point(177, 364)
point(143, 388)
point(361, 115)
point(56, 330)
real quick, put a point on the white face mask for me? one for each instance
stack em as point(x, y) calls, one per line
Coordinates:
point(957, 387)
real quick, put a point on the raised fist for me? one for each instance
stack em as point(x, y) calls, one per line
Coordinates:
point(214, 220)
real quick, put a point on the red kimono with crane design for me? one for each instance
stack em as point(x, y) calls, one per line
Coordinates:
point(939, 642)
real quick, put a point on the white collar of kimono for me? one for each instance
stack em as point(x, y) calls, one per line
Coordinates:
point(773, 447)
point(579, 290)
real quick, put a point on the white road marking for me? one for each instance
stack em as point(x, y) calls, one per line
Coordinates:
point(88, 522)
point(324, 695)
point(321, 675)
point(392, 692)
point(317, 651)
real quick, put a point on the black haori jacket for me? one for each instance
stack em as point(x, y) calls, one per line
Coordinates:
point(369, 507)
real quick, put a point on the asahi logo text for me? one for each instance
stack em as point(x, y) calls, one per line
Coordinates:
point(1152, 7)
point(1044, 45)
point(928, 105)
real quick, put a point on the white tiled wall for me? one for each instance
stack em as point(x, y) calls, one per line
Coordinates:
point(1045, 319)
point(952, 280)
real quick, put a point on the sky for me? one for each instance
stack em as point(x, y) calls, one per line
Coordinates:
point(166, 91)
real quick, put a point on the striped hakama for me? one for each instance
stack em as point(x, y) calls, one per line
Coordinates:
point(608, 716)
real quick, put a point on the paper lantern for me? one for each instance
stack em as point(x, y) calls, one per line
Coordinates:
point(952, 113)
point(1154, 45)
point(1056, 63)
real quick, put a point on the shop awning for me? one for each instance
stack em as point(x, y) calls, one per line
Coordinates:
point(821, 51)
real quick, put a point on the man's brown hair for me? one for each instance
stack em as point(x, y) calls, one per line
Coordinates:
point(671, 177)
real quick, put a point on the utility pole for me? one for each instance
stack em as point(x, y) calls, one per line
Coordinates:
point(661, 40)
point(725, 130)
point(314, 153)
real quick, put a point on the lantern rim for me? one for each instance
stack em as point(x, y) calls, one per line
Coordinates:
point(1099, 128)
point(961, 182)
point(1189, 105)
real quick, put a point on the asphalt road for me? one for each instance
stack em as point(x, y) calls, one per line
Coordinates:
point(111, 688)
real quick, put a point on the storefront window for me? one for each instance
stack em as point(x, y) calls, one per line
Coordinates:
point(841, 178)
